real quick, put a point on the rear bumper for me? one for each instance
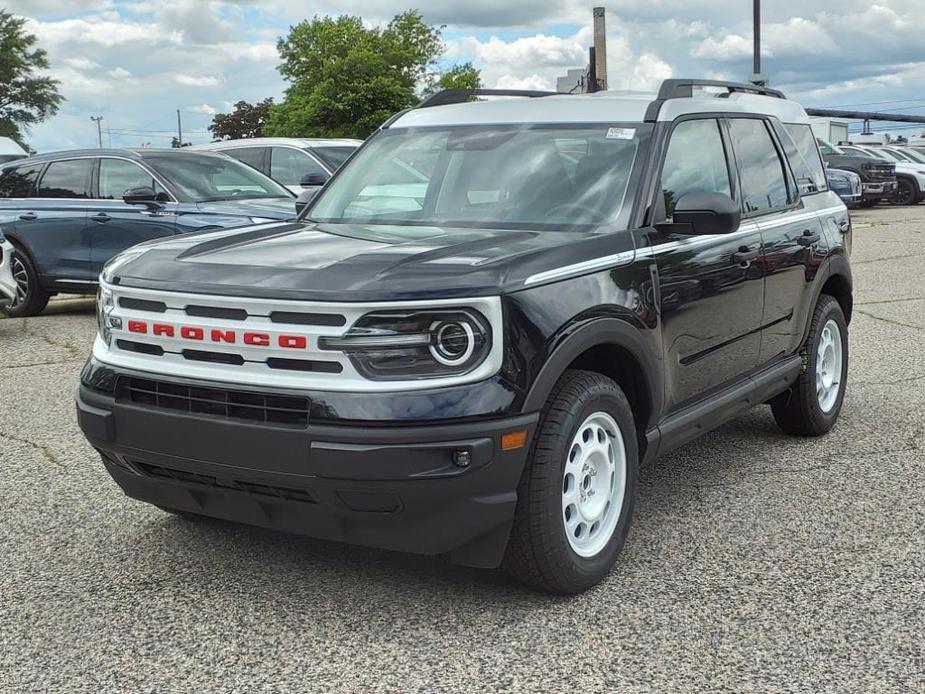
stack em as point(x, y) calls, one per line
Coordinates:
point(397, 488)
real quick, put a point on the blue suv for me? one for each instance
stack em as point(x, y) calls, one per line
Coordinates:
point(68, 213)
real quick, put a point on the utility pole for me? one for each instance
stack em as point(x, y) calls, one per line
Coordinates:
point(757, 77)
point(99, 129)
point(179, 130)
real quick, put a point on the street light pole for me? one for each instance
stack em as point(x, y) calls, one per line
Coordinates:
point(99, 129)
point(757, 77)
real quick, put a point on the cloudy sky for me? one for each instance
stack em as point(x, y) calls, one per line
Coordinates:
point(136, 62)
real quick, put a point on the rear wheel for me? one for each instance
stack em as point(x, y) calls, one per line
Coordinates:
point(575, 499)
point(905, 193)
point(811, 407)
point(30, 299)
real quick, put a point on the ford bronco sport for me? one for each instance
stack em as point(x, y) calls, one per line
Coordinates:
point(482, 326)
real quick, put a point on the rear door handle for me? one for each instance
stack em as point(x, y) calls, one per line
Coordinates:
point(28, 216)
point(808, 238)
point(744, 255)
point(101, 217)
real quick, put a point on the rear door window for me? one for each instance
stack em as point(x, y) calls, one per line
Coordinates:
point(252, 156)
point(66, 179)
point(19, 182)
point(761, 171)
point(117, 176)
point(288, 165)
point(804, 158)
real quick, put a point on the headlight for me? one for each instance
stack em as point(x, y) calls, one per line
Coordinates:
point(104, 306)
point(417, 344)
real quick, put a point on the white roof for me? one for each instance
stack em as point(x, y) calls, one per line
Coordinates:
point(291, 141)
point(602, 107)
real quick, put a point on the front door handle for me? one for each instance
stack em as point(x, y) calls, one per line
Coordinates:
point(744, 255)
point(808, 238)
point(28, 216)
point(101, 217)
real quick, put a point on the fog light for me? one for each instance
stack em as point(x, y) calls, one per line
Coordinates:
point(462, 458)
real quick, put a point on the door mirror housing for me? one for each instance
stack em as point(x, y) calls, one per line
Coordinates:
point(698, 214)
point(313, 180)
point(304, 198)
point(143, 195)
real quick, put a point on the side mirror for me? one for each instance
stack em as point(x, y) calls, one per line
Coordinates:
point(313, 180)
point(143, 195)
point(697, 214)
point(305, 197)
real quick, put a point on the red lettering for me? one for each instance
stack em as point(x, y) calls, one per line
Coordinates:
point(223, 336)
point(190, 333)
point(257, 339)
point(160, 329)
point(293, 342)
point(137, 326)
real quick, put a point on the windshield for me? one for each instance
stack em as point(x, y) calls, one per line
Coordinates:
point(334, 156)
point(914, 156)
point(886, 154)
point(828, 147)
point(519, 176)
point(209, 178)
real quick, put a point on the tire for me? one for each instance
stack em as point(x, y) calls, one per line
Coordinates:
point(539, 553)
point(905, 194)
point(802, 411)
point(868, 203)
point(30, 298)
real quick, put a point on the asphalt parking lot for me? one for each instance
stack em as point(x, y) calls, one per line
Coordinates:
point(757, 562)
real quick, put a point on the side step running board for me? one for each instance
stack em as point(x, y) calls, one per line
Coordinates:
point(687, 424)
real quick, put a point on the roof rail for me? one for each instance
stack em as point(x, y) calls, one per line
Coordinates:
point(459, 96)
point(684, 89)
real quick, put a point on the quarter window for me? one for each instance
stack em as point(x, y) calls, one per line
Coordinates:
point(804, 158)
point(20, 181)
point(288, 165)
point(695, 162)
point(252, 156)
point(66, 179)
point(761, 172)
point(118, 176)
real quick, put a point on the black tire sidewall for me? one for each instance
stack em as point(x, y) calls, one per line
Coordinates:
point(829, 310)
point(36, 299)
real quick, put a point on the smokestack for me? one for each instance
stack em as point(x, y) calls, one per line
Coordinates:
point(600, 47)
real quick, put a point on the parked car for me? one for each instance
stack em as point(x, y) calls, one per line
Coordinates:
point(846, 184)
point(7, 281)
point(878, 176)
point(68, 213)
point(588, 282)
point(910, 175)
point(297, 163)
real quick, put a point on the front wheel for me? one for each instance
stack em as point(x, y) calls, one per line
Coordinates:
point(812, 405)
point(575, 499)
point(905, 193)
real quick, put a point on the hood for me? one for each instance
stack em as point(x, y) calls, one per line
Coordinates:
point(271, 208)
point(345, 262)
point(854, 161)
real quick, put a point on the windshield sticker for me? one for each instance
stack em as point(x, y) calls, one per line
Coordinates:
point(620, 133)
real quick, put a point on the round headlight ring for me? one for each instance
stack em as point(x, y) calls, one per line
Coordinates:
point(454, 342)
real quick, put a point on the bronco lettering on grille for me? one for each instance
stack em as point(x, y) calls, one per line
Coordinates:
point(229, 336)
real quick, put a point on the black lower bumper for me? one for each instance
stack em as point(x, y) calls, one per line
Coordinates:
point(431, 489)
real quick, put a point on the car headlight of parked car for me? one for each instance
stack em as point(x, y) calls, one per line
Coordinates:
point(397, 345)
point(104, 306)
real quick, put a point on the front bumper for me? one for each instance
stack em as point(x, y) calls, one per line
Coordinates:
point(7, 282)
point(882, 188)
point(394, 487)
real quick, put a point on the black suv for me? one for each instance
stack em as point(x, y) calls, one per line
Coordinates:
point(878, 175)
point(483, 325)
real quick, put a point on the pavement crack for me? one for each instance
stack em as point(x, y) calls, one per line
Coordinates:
point(890, 301)
point(888, 257)
point(888, 320)
point(9, 367)
point(68, 345)
point(48, 454)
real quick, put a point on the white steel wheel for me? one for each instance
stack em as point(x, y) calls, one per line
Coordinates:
point(593, 484)
point(828, 366)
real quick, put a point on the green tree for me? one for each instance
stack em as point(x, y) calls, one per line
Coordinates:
point(246, 120)
point(463, 76)
point(25, 97)
point(346, 79)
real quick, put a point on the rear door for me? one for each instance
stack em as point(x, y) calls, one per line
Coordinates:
point(115, 225)
point(55, 224)
point(711, 290)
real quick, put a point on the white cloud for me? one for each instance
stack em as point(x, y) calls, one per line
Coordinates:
point(81, 63)
point(204, 108)
point(119, 73)
point(198, 80)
